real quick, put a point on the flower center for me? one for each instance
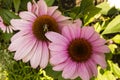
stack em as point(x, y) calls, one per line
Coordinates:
point(43, 24)
point(80, 50)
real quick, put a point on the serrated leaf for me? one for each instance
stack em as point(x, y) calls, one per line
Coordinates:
point(113, 26)
point(116, 39)
point(16, 5)
point(49, 2)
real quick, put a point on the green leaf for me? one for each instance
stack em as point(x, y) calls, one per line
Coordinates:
point(49, 2)
point(105, 8)
point(115, 68)
point(90, 14)
point(7, 15)
point(116, 39)
point(108, 76)
point(113, 26)
point(112, 47)
point(16, 5)
point(85, 4)
point(6, 4)
point(51, 73)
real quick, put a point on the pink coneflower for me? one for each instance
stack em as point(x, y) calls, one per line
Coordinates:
point(30, 43)
point(77, 51)
point(4, 28)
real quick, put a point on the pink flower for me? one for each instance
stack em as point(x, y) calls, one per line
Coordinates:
point(4, 28)
point(30, 43)
point(77, 51)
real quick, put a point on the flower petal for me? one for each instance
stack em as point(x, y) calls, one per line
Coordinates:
point(45, 56)
point(20, 24)
point(101, 49)
point(59, 58)
point(69, 70)
point(83, 72)
point(35, 60)
point(51, 10)
point(27, 16)
point(99, 59)
point(56, 38)
point(57, 47)
point(42, 7)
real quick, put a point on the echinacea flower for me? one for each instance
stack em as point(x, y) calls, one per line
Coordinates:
point(4, 28)
point(114, 3)
point(30, 42)
point(77, 51)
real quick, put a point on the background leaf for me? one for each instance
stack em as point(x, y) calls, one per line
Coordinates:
point(49, 2)
point(16, 5)
point(113, 26)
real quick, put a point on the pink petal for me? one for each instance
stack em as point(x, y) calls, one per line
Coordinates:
point(61, 66)
point(20, 24)
point(15, 44)
point(45, 56)
point(99, 59)
point(78, 23)
point(30, 55)
point(56, 38)
point(56, 14)
point(69, 70)
point(56, 52)
point(94, 37)
point(42, 7)
point(83, 72)
point(35, 60)
point(27, 16)
point(93, 68)
point(59, 58)
point(29, 6)
point(19, 34)
point(57, 47)
point(87, 32)
point(51, 10)
point(98, 42)
point(62, 18)
point(101, 49)
point(24, 49)
point(63, 24)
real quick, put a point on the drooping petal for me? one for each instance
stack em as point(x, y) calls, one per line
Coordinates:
point(35, 60)
point(31, 53)
point(69, 70)
point(99, 59)
point(61, 66)
point(45, 56)
point(83, 72)
point(59, 58)
point(23, 49)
